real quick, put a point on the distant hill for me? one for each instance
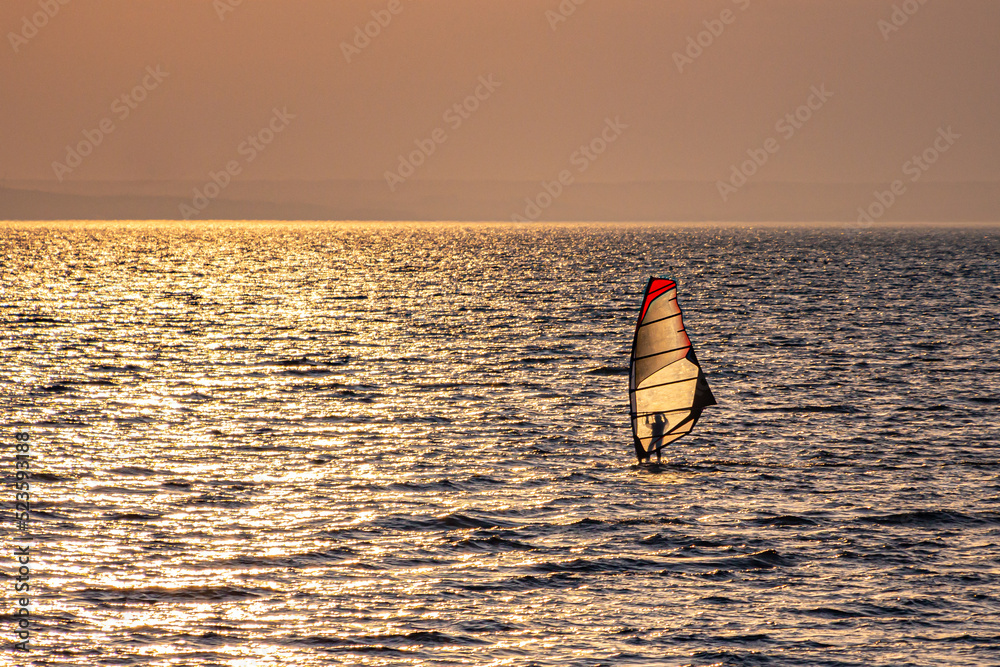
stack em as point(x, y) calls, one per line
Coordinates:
point(503, 201)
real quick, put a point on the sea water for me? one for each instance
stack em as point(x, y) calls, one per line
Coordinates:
point(385, 444)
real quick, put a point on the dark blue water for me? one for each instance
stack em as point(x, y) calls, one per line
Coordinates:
point(409, 445)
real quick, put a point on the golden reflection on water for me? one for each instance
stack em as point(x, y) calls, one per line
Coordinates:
point(407, 444)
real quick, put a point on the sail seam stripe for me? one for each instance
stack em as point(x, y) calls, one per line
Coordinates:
point(650, 356)
point(664, 384)
point(662, 319)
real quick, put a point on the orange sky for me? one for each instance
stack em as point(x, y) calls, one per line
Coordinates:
point(610, 59)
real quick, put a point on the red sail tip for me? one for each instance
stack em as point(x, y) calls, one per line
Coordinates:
point(657, 286)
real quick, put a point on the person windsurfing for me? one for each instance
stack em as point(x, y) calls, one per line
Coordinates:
point(658, 423)
point(667, 387)
point(657, 432)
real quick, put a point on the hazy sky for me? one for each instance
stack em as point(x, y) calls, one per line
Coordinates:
point(559, 82)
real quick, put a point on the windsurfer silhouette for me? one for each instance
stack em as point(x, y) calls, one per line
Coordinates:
point(658, 423)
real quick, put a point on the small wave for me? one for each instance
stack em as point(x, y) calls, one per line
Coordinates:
point(195, 396)
point(156, 595)
point(460, 384)
point(58, 388)
point(492, 544)
point(851, 611)
point(478, 480)
point(454, 521)
point(38, 319)
point(761, 560)
point(783, 520)
point(37, 513)
point(305, 361)
point(538, 360)
point(132, 490)
point(488, 625)
point(985, 400)
point(135, 420)
point(966, 638)
point(218, 500)
point(390, 642)
point(921, 518)
point(660, 540)
point(458, 520)
point(841, 409)
point(127, 368)
point(66, 422)
point(308, 372)
point(422, 419)
point(132, 516)
point(614, 524)
point(437, 485)
point(286, 560)
point(48, 477)
point(718, 599)
point(99, 382)
point(752, 638)
point(591, 565)
point(294, 361)
point(607, 370)
point(527, 582)
point(136, 471)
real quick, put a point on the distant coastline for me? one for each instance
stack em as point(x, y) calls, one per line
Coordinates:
point(497, 201)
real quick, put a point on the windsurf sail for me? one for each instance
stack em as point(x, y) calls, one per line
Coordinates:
point(667, 387)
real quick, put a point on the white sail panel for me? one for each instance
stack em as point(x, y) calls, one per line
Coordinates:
point(682, 369)
point(660, 338)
